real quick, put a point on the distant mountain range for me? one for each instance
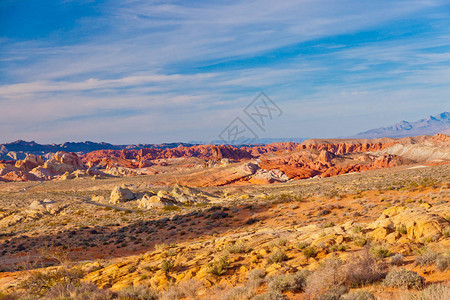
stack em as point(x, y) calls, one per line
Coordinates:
point(429, 126)
point(19, 149)
point(257, 141)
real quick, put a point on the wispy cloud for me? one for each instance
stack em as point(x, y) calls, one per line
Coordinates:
point(180, 70)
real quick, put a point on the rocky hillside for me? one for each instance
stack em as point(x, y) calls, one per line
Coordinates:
point(384, 234)
point(20, 149)
point(211, 165)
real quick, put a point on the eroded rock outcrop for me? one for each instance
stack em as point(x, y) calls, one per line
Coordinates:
point(121, 194)
point(154, 201)
point(420, 224)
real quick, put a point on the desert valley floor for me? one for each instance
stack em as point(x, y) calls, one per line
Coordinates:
point(382, 233)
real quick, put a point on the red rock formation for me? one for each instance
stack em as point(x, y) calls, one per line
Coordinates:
point(69, 159)
point(19, 176)
point(202, 151)
point(311, 158)
point(30, 162)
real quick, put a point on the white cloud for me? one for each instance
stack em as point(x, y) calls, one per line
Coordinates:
point(141, 72)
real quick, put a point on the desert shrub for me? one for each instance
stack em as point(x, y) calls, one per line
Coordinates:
point(333, 293)
point(281, 242)
point(380, 252)
point(277, 256)
point(161, 246)
point(360, 241)
point(357, 229)
point(446, 232)
point(337, 247)
point(362, 269)
point(397, 259)
point(328, 225)
point(169, 253)
point(137, 293)
point(432, 292)
point(302, 245)
point(219, 266)
point(443, 263)
point(172, 293)
point(402, 229)
point(402, 278)
point(289, 282)
point(426, 258)
point(171, 208)
point(327, 276)
point(40, 282)
point(240, 292)
point(9, 296)
point(270, 295)
point(185, 289)
point(82, 291)
point(323, 212)
point(238, 247)
point(358, 295)
point(167, 265)
point(256, 277)
point(310, 251)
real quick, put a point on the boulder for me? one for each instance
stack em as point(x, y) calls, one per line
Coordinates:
point(165, 194)
point(263, 176)
point(151, 202)
point(47, 206)
point(121, 194)
point(67, 176)
point(184, 194)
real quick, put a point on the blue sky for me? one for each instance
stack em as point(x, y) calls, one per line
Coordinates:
point(162, 71)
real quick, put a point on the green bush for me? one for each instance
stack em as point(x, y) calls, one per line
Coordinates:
point(446, 232)
point(277, 256)
point(336, 248)
point(310, 251)
point(219, 266)
point(167, 265)
point(402, 229)
point(360, 241)
point(238, 247)
point(302, 245)
point(380, 252)
point(171, 208)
